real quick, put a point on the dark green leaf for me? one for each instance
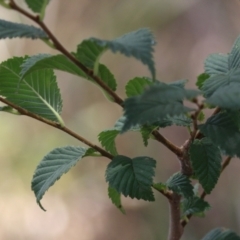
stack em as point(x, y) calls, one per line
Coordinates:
point(53, 166)
point(138, 44)
point(206, 162)
point(88, 53)
point(201, 79)
point(234, 56)
point(107, 139)
point(226, 97)
point(194, 205)
point(181, 120)
point(216, 82)
point(156, 103)
point(46, 61)
point(179, 83)
point(180, 184)
point(132, 177)
point(137, 86)
point(221, 234)
point(37, 6)
point(37, 93)
point(216, 64)
point(223, 130)
point(14, 30)
point(115, 196)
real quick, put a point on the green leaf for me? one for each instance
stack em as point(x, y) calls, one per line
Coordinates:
point(47, 61)
point(146, 132)
point(201, 116)
point(107, 139)
point(216, 82)
point(221, 234)
point(89, 52)
point(38, 93)
point(224, 132)
point(181, 120)
point(216, 64)
point(159, 186)
point(132, 177)
point(234, 56)
point(107, 77)
point(38, 6)
point(201, 79)
point(156, 103)
point(180, 184)
point(194, 205)
point(226, 97)
point(14, 30)
point(52, 167)
point(138, 44)
point(137, 86)
point(9, 110)
point(179, 83)
point(115, 196)
point(206, 161)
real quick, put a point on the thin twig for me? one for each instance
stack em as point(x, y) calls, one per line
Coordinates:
point(204, 194)
point(63, 50)
point(58, 126)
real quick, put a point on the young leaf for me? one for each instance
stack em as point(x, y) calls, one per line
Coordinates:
point(107, 77)
point(14, 30)
point(9, 110)
point(180, 184)
point(221, 234)
point(194, 205)
point(47, 61)
point(89, 52)
point(38, 93)
point(223, 131)
point(201, 79)
point(216, 64)
point(138, 44)
point(107, 139)
point(206, 161)
point(132, 177)
point(115, 196)
point(38, 6)
point(52, 167)
point(156, 103)
point(137, 86)
point(146, 132)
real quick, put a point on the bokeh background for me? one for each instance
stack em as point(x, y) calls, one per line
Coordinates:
point(78, 208)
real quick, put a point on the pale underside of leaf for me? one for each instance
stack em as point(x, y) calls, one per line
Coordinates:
point(53, 166)
point(13, 30)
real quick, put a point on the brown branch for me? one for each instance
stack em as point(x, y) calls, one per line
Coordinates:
point(63, 50)
point(175, 227)
point(204, 194)
point(58, 126)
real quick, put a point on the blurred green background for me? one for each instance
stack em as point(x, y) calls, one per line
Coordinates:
point(186, 31)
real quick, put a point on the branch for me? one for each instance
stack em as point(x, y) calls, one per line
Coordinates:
point(175, 228)
point(63, 50)
point(58, 126)
point(204, 194)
